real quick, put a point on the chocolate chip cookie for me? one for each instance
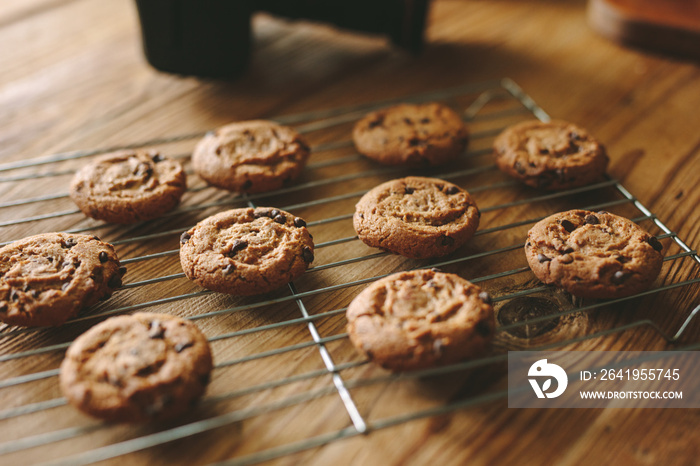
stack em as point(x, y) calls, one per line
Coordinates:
point(47, 279)
point(416, 217)
point(553, 156)
point(593, 255)
point(406, 134)
point(246, 251)
point(250, 156)
point(128, 186)
point(419, 319)
point(137, 368)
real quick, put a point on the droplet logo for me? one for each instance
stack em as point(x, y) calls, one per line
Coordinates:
point(541, 369)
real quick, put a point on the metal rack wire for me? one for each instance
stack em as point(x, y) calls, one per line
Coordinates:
point(492, 105)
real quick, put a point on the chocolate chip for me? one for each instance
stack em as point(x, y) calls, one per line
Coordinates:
point(247, 185)
point(452, 190)
point(544, 150)
point(566, 259)
point(122, 270)
point(185, 237)
point(447, 241)
point(567, 251)
point(377, 122)
point(157, 158)
point(483, 328)
point(591, 220)
point(281, 219)
point(155, 329)
point(96, 238)
point(409, 190)
point(229, 269)
point(543, 258)
point(180, 347)
point(620, 276)
point(415, 142)
point(654, 243)
point(408, 121)
point(528, 244)
point(50, 259)
point(144, 169)
point(485, 297)
point(574, 136)
point(238, 245)
point(436, 270)
point(69, 243)
point(568, 226)
point(425, 120)
point(103, 257)
point(261, 213)
point(115, 281)
point(273, 213)
point(361, 215)
point(519, 168)
point(299, 222)
point(307, 254)
point(603, 212)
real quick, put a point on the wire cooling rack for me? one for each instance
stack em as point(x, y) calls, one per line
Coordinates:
point(286, 379)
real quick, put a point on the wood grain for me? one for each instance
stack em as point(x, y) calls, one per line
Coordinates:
point(74, 78)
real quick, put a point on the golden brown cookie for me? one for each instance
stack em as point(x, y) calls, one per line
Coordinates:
point(406, 134)
point(420, 319)
point(47, 279)
point(137, 368)
point(593, 255)
point(128, 186)
point(246, 251)
point(553, 156)
point(416, 217)
point(250, 156)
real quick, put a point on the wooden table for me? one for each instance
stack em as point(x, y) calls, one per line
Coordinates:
point(73, 77)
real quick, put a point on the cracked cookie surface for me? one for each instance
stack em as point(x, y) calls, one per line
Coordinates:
point(128, 186)
point(593, 254)
point(141, 367)
point(251, 156)
point(47, 279)
point(406, 134)
point(246, 251)
point(416, 217)
point(420, 319)
point(553, 156)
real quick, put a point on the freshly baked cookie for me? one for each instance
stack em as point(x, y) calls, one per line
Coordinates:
point(47, 279)
point(416, 217)
point(419, 319)
point(593, 255)
point(405, 134)
point(137, 367)
point(552, 156)
point(250, 156)
point(246, 251)
point(128, 186)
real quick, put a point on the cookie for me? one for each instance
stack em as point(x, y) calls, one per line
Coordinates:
point(128, 186)
point(416, 217)
point(406, 134)
point(553, 156)
point(136, 368)
point(250, 156)
point(47, 279)
point(420, 319)
point(246, 251)
point(593, 255)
